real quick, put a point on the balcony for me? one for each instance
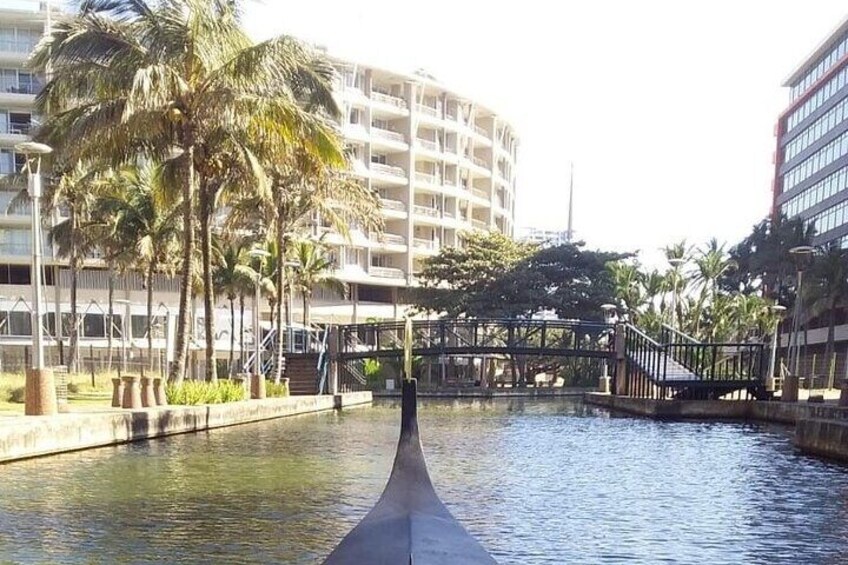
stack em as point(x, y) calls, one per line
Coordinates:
point(429, 178)
point(396, 205)
point(480, 193)
point(21, 46)
point(479, 162)
point(386, 272)
point(17, 128)
point(479, 131)
point(15, 87)
point(387, 238)
point(426, 211)
point(428, 144)
point(428, 244)
point(480, 224)
point(388, 170)
point(388, 134)
point(428, 110)
point(389, 99)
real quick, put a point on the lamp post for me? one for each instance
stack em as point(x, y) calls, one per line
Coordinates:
point(40, 389)
point(802, 255)
point(124, 316)
point(609, 311)
point(675, 263)
point(778, 311)
point(257, 381)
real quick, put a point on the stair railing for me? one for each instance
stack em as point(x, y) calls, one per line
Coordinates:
point(323, 362)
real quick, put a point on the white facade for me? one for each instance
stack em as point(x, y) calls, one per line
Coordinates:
point(441, 163)
point(543, 237)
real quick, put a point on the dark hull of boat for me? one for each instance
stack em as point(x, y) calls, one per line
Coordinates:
point(409, 524)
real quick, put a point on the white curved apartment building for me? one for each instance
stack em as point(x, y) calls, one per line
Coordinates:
point(442, 163)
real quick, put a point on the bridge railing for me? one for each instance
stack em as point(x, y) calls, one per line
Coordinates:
point(477, 335)
point(720, 361)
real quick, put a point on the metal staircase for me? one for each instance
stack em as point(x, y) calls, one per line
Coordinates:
point(679, 366)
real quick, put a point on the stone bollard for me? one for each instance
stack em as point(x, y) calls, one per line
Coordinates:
point(604, 384)
point(257, 387)
point(40, 393)
point(148, 395)
point(843, 395)
point(790, 389)
point(117, 392)
point(132, 393)
point(159, 392)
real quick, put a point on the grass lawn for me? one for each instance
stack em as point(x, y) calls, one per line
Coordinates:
point(81, 393)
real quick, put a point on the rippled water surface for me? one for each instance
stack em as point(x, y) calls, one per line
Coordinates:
point(536, 481)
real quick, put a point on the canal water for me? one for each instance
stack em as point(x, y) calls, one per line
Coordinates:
point(537, 482)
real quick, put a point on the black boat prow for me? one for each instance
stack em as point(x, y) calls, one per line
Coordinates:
point(409, 524)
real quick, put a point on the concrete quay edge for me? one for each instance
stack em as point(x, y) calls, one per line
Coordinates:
point(25, 437)
point(819, 429)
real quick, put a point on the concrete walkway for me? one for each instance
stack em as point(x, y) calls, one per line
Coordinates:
point(22, 437)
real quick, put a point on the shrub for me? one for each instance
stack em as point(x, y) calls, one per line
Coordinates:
point(273, 390)
point(17, 394)
point(193, 393)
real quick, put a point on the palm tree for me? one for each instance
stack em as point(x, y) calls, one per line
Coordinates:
point(232, 279)
point(145, 218)
point(302, 189)
point(73, 192)
point(313, 270)
point(712, 263)
point(181, 79)
point(827, 290)
point(629, 287)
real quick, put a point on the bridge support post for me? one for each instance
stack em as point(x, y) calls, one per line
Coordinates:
point(621, 384)
point(333, 361)
point(843, 395)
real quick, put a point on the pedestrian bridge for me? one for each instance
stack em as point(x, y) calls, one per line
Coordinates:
point(670, 364)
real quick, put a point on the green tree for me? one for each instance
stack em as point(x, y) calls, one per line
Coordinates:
point(146, 221)
point(826, 293)
point(314, 269)
point(74, 193)
point(233, 280)
point(181, 78)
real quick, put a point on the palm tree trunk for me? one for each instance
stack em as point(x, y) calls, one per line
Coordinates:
point(232, 334)
point(282, 294)
point(73, 264)
point(150, 270)
point(177, 371)
point(831, 336)
point(305, 297)
point(208, 289)
point(111, 320)
point(241, 332)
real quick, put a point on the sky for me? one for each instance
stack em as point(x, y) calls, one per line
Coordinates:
point(666, 108)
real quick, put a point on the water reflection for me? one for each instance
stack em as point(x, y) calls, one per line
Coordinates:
point(537, 481)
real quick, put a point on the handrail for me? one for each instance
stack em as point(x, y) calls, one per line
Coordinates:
point(685, 336)
point(645, 336)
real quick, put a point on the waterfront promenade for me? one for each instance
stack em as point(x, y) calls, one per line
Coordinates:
point(23, 437)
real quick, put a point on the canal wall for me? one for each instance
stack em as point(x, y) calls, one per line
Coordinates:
point(33, 436)
point(820, 429)
point(490, 393)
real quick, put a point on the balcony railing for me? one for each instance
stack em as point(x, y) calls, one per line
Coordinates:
point(480, 131)
point(429, 110)
point(390, 170)
point(386, 272)
point(389, 99)
point(389, 204)
point(22, 46)
point(479, 162)
point(448, 214)
point(387, 238)
point(15, 87)
point(479, 192)
point(17, 129)
point(421, 243)
point(388, 134)
point(426, 211)
point(480, 224)
point(428, 144)
point(449, 182)
point(427, 177)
